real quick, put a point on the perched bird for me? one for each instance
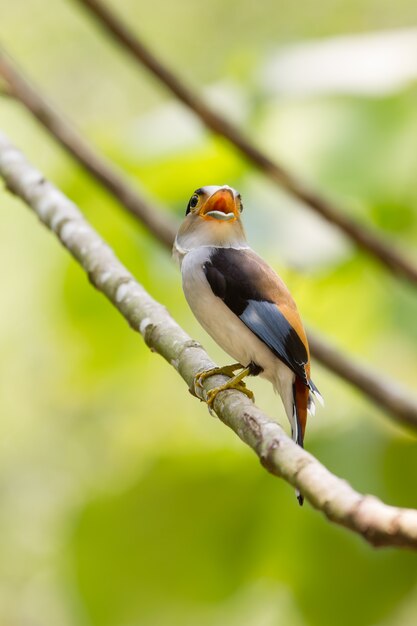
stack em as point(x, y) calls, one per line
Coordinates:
point(242, 303)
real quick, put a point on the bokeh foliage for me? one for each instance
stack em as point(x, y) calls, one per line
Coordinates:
point(121, 501)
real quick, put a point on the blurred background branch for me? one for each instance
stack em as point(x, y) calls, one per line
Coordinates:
point(104, 456)
point(396, 401)
point(379, 524)
point(362, 235)
point(5, 91)
point(159, 223)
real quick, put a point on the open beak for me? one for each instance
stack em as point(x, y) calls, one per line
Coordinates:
point(220, 206)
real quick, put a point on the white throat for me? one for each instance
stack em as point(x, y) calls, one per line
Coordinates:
point(208, 234)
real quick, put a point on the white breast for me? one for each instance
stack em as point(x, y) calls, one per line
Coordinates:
point(227, 330)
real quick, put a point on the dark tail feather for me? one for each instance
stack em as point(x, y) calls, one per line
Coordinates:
point(297, 435)
point(298, 427)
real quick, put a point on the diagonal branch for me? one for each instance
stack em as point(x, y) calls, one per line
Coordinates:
point(5, 91)
point(159, 223)
point(387, 394)
point(379, 524)
point(371, 241)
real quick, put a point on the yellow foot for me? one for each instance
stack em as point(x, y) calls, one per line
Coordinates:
point(235, 382)
point(227, 370)
point(231, 384)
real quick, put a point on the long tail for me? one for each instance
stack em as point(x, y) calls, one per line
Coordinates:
point(303, 402)
point(301, 395)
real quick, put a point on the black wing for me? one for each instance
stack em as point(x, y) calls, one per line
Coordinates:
point(246, 287)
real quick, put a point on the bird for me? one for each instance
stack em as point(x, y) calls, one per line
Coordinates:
point(243, 305)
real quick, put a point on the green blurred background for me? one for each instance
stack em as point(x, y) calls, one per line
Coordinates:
point(122, 502)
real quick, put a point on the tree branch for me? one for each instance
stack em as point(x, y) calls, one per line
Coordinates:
point(389, 395)
point(379, 524)
point(158, 222)
point(369, 240)
point(5, 91)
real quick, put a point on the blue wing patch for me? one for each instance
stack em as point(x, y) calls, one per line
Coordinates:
point(238, 282)
point(270, 325)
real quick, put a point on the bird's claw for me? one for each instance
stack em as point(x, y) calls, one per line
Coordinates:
point(234, 382)
point(227, 370)
point(239, 386)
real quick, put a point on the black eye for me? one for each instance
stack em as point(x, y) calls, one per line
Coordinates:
point(192, 203)
point(240, 202)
